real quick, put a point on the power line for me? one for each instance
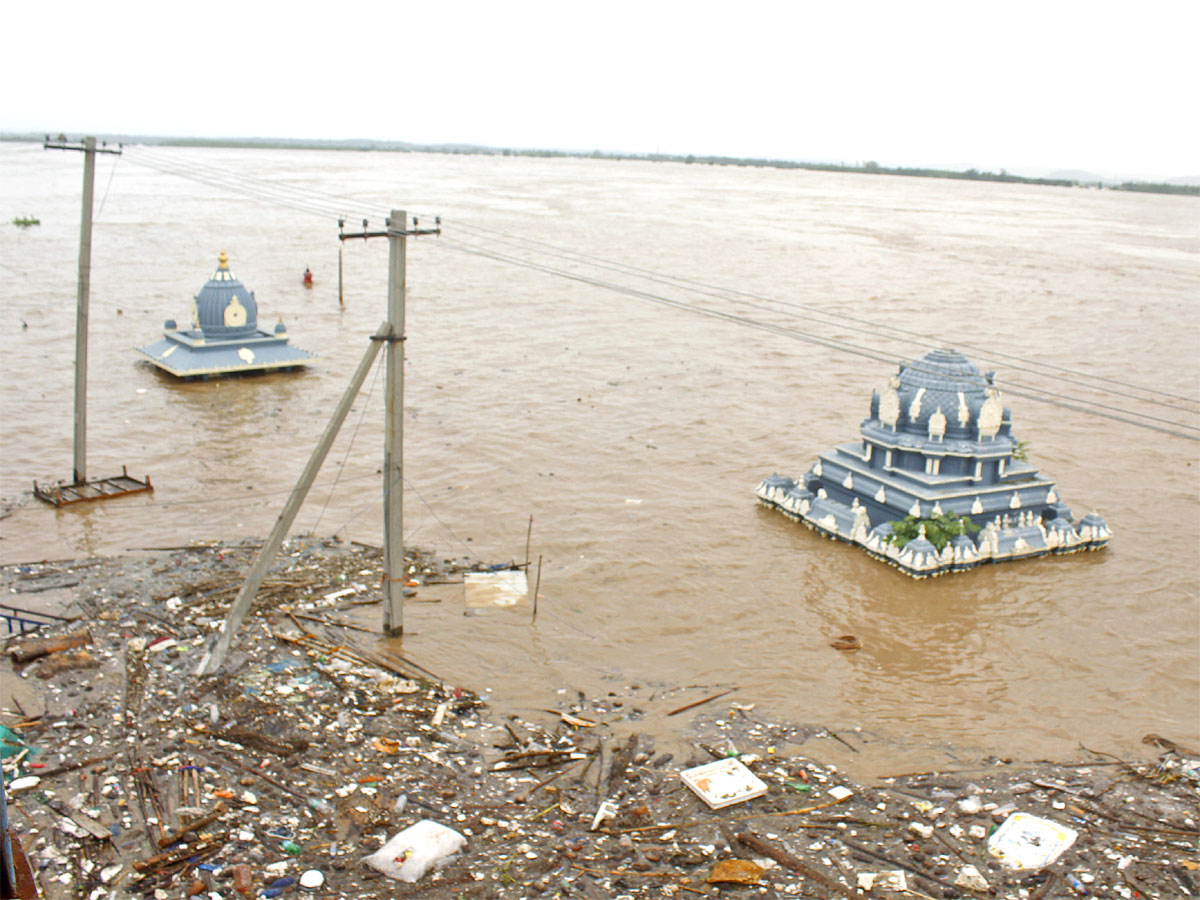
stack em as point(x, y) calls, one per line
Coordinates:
point(1037, 394)
point(237, 186)
point(361, 415)
point(330, 205)
point(831, 343)
point(235, 498)
point(305, 199)
point(871, 327)
point(108, 186)
point(449, 531)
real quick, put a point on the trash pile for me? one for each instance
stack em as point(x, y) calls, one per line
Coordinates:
point(316, 763)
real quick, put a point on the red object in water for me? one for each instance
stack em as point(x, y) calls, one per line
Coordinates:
point(308, 278)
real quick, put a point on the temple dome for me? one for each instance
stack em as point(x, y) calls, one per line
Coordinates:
point(943, 392)
point(224, 308)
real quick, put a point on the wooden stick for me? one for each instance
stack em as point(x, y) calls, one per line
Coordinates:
point(328, 621)
point(701, 702)
point(536, 585)
point(194, 825)
point(71, 767)
point(163, 860)
point(39, 647)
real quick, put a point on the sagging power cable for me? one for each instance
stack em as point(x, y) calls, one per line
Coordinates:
point(1132, 417)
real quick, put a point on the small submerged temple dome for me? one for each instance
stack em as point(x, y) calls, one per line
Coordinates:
point(938, 443)
point(224, 337)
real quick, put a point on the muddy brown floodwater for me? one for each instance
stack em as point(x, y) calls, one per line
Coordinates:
point(634, 431)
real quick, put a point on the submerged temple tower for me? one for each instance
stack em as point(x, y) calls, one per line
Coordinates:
point(938, 442)
point(225, 337)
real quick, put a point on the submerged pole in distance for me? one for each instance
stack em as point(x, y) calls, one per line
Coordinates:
point(215, 656)
point(393, 440)
point(81, 311)
point(341, 240)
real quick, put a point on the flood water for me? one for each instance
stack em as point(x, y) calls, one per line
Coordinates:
point(634, 431)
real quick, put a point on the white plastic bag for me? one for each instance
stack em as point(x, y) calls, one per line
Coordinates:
point(416, 850)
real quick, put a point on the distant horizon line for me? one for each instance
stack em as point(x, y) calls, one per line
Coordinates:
point(1179, 184)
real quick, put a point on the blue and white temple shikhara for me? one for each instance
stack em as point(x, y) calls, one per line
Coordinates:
point(938, 443)
point(225, 337)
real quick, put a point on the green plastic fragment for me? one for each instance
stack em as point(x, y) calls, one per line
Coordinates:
point(11, 743)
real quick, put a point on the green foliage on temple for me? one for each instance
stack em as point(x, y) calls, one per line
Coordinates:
point(939, 529)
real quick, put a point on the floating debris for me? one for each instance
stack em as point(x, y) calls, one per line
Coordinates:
point(283, 771)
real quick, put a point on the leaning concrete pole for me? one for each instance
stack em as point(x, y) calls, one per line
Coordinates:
point(81, 310)
point(393, 439)
point(214, 657)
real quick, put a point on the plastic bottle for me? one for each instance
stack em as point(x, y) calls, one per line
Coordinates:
point(243, 878)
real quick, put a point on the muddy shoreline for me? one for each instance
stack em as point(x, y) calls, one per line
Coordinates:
point(314, 746)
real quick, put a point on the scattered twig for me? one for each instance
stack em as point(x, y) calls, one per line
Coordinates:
point(328, 621)
point(530, 791)
point(837, 737)
point(71, 767)
point(691, 823)
point(193, 826)
point(866, 851)
point(781, 856)
point(256, 773)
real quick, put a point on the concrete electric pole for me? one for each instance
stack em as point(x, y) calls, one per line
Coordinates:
point(390, 332)
point(88, 146)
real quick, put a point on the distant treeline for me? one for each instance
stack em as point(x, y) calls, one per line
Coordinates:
point(870, 168)
point(1151, 187)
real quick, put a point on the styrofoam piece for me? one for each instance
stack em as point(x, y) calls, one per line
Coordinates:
point(1025, 841)
point(505, 588)
point(416, 850)
point(893, 880)
point(723, 782)
point(607, 810)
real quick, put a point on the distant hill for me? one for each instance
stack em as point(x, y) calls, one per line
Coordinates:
point(1079, 175)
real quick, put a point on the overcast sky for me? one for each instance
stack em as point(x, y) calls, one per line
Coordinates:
point(1111, 88)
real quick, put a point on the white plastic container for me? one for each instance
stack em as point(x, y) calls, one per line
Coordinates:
point(1025, 841)
point(723, 782)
